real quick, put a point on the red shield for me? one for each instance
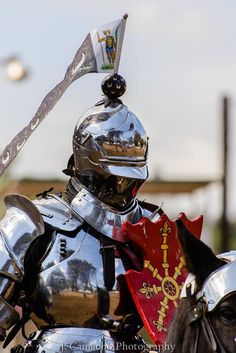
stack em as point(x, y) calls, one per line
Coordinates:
point(156, 289)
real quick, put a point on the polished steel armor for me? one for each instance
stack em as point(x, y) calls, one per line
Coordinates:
point(70, 288)
point(83, 340)
point(219, 284)
point(20, 226)
point(103, 217)
point(110, 154)
point(72, 277)
point(72, 273)
point(67, 252)
point(58, 213)
point(111, 141)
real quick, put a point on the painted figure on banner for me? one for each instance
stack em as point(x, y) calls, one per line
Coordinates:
point(110, 48)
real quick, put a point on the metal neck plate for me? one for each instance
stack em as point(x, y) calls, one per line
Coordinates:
point(101, 216)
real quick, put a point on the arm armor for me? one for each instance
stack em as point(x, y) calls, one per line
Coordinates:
point(18, 229)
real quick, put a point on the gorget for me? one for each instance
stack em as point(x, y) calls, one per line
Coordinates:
point(101, 216)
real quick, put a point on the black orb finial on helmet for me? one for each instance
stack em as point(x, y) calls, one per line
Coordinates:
point(113, 86)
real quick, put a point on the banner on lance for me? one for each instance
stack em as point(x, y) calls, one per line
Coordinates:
point(107, 43)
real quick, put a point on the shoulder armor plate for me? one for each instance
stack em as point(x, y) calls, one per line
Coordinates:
point(58, 213)
point(20, 226)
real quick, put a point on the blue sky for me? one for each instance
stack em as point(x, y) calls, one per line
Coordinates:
point(179, 58)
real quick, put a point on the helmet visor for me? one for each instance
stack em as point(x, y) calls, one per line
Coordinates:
point(128, 171)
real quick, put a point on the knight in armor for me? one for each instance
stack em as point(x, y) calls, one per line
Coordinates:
point(63, 256)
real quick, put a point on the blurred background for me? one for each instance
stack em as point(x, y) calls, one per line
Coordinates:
point(179, 61)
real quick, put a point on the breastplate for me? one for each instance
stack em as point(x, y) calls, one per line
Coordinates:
point(70, 288)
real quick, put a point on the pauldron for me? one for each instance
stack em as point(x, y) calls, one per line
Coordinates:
point(21, 225)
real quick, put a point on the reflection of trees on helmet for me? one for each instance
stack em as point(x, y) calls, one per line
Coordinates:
point(109, 142)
